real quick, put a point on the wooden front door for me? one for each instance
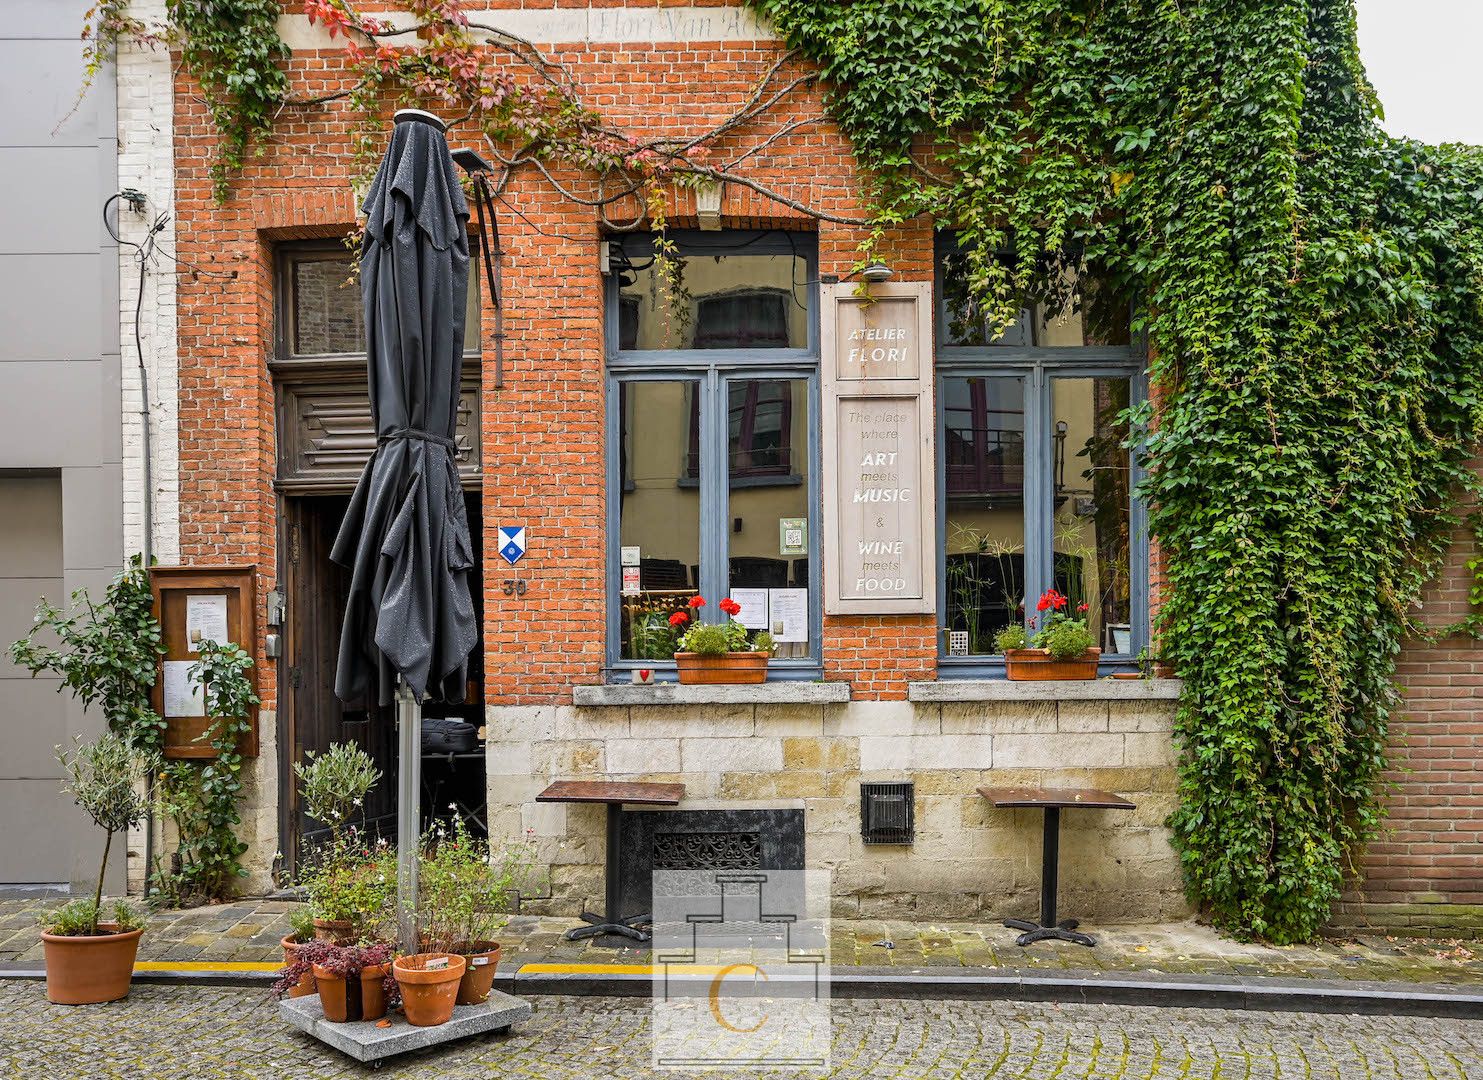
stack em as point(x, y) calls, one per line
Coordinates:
point(315, 590)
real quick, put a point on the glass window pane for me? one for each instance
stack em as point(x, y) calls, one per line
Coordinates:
point(1071, 309)
point(767, 508)
point(726, 301)
point(658, 514)
point(1092, 529)
point(983, 452)
point(327, 310)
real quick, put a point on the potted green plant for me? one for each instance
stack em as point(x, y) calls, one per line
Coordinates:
point(300, 933)
point(1062, 647)
point(719, 652)
point(466, 892)
point(90, 959)
point(428, 983)
point(348, 881)
point(352, 981)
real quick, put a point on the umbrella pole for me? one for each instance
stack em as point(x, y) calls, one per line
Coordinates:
point(409, 804)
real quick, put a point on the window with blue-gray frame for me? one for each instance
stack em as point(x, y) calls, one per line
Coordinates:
point(712, 441)
point(1035, 476)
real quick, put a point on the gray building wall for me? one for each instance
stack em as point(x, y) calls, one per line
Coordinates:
point(60, 471)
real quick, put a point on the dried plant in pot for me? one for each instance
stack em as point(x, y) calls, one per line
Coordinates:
point(90, 959)
point(724, 652)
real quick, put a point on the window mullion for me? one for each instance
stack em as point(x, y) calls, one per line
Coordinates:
point(713, 493)
point(1039, 464)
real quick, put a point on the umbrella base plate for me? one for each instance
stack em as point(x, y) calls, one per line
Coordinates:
point(366, 1042)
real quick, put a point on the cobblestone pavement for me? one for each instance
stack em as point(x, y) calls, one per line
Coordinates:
point(250, 930)
point(194, 1033)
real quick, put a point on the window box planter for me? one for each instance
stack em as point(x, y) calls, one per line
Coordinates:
point(733, 667)
point(1036, 665)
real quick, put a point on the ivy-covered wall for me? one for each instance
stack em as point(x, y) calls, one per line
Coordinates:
point(1311, 290)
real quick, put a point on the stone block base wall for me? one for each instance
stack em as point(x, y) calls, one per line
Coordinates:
point(968, 860)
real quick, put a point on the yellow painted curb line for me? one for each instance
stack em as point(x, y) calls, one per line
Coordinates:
point(205, 965)
point(630, 969)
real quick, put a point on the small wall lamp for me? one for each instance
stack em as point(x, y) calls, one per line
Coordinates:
point(876, 273)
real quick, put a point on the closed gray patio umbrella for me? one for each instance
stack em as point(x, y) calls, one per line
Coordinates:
point(409, 623)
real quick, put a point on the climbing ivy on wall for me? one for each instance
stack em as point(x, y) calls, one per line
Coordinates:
point(1311, 296)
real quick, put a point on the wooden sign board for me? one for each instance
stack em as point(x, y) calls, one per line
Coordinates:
point(879, 490)
point(191, 603)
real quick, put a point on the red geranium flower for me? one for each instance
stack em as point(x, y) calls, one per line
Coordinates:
point(730, 606)
point(697, 601)
point(1082, 607)
point(679, 618)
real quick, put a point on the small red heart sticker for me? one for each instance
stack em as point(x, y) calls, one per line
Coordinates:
point(646, 674)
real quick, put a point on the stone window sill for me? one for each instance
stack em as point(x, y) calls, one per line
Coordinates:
point(783, 692)
point(1070, 690)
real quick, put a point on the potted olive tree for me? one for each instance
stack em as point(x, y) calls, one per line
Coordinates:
point(719, 652)
point(90, 959)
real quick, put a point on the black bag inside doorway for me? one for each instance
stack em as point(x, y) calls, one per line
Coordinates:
point(448, 736)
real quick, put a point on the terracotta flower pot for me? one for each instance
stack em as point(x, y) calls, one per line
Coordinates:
point(373, 992)
point(478, 977)
point(428, 994)
point(1036, 665)
point(734, 667)
point(335, 931)
point(338, 997)
point(89, 970)
point(306, 980)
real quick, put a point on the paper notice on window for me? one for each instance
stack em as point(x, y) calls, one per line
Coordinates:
point(753, 614)
point(183, 695)
point(788, 614)
point(205, 620)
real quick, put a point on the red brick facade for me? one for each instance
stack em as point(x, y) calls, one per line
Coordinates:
point(1426, 870)
point(542, 434)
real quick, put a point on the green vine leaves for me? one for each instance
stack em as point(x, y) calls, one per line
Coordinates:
point(1310, 290)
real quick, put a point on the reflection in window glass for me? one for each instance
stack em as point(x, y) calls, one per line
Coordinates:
point(1071, 311)
point(1092, 478)
point(327, 308)
point(657, 516)
point(727, 302)
point(768, 508)
point(983, 452)
point(328, 316)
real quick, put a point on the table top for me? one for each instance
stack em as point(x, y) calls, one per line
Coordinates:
point(1088, 798)
point(606, 791)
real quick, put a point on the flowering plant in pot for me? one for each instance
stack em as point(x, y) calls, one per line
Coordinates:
point(1062, 646)
point(466, 894)
point(354, 982)
point(90, 959)
point(348, 880)
point(721, 652)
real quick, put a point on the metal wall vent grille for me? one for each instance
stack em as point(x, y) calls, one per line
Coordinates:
point(887, 814)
